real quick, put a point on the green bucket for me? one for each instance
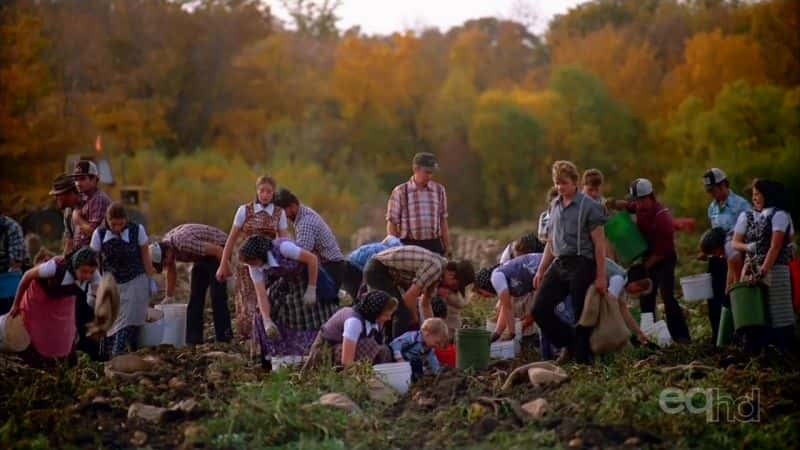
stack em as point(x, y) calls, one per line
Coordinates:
point(625, 237)
point(725, 331)
point(472, 348)
point(747, 303)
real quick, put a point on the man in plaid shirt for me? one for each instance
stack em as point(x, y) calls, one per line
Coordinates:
point(417, 210)
point(419, 272)
point(13, 254)
point(95, 203)
point(314, 235)
point(201, 245)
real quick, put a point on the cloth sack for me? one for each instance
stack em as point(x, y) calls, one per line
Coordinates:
point(609, 331)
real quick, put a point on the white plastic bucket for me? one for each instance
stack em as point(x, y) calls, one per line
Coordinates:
point(174, 323)
point(647, 320)
point(280, 362)
point(697, 287)
point(504, 350)
point(491, 325)
point(152, 332)
point(395, 375)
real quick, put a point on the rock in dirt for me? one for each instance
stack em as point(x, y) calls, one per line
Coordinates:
point(538, 408)
point(575, 443)
point(546, 376)
point(339, 401)
point(146, 383)
point(147, 413)
point(214, 376)
point(176, 384)
point(139, 438)
point(423, 401)
point(187, 407)
point(632, 442)
point(129, 364)
point(225, 357)
point(195, 434)
point(380, 392)
point(128, 367)
point(517, 373)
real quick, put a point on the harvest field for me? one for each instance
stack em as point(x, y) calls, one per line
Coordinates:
point(230, 402)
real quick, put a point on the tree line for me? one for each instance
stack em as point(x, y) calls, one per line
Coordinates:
point(195, 99)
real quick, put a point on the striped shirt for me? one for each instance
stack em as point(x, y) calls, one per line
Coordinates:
point(418, 211)
point(410, 264)
point(187, 241)
point(314, 235)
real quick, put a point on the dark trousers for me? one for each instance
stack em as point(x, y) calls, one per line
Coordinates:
point(718, 268)
point(83, 315)
point(434, 245)
point(377, 277)
point(348, 276)
point(569, 275)
point(663, 277)
point(203, 278)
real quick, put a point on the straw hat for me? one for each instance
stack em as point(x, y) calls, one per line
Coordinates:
point(13, 335)
point(106, 307)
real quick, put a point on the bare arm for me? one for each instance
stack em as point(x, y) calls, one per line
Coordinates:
point(445, 235)
point(312, 262)
point(224, 270)
point(147, 260)
point(599, 240)
point(410, 300)
point(391, 229)
point(263, 300)
point(348, 352)
point(547, 259)
point(630, 321)
point(172, 273)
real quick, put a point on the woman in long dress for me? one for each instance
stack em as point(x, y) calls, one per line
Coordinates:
point(259, 218)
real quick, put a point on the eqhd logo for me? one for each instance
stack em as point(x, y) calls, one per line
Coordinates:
point(715, 405)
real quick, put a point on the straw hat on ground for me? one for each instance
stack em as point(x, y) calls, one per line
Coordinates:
point(14, 337)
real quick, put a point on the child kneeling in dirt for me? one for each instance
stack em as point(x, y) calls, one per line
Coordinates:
point(414, 346)
point(355, 333)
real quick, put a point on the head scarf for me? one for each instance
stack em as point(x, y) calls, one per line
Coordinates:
point(371, 305)
point(256, 247)
point(483, 279)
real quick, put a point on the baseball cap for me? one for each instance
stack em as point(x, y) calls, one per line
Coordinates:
point(641, 187)
point(63, 184)
point(426, 161)
point(713, 177)
point(85, 167)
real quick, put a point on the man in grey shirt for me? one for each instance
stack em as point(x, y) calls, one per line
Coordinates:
point(67, 199)
point(574, 258)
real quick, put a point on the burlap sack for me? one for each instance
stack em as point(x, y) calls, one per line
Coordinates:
point(603, 314)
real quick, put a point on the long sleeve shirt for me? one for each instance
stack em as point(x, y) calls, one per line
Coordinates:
point(411, 347)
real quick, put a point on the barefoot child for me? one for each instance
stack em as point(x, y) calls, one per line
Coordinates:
point(122, 246)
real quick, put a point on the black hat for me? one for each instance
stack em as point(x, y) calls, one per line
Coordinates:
point(63, 184)
point(426, 161)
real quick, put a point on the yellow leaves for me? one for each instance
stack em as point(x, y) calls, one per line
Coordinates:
point(712, 60)
point(628, 67)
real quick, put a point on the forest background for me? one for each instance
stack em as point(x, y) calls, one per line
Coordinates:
point(195, 99)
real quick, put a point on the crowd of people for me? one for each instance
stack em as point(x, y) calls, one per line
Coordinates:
point(407, 293)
